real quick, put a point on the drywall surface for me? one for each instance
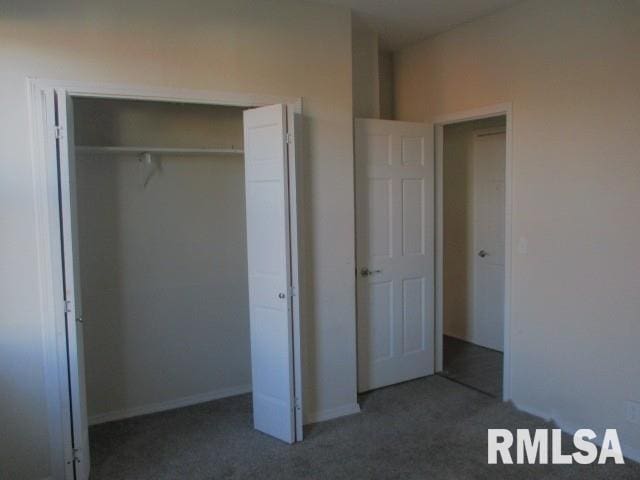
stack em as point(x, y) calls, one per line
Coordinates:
point(458, 319)
point(284, 48)
point(366, 83)
point(571, 70)
point(385, 82)
point(163, 266)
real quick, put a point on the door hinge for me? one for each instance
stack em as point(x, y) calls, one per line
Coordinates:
point(297, 402)
point(75, 456)
point(292, 291)
point(67, 306)
point(289, 139)
point(58, 131)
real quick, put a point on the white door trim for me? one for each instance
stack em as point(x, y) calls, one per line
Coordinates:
point(49, 255)
point(439, 123)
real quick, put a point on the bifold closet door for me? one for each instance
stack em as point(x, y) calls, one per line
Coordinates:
point(73, 305)
point(268, 252)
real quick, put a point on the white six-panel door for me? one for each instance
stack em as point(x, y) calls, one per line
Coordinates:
point(488, 242)
point(268, 255)
point(395, 256)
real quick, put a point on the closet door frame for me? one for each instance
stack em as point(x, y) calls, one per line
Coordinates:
point(44, 131)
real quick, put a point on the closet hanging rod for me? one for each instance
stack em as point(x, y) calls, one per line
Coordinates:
point(158, 150)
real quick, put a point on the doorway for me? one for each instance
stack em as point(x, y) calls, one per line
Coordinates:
point(473, 252)
point(399, 228)
point(269, 156)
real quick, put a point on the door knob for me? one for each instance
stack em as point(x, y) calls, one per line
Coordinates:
point(365, 272)
point(281, 295)
point(482, 253)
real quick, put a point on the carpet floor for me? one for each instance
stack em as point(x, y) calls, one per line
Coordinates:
point(431, 428)
point(473, 365)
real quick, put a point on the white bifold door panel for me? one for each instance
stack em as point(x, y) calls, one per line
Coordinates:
point(71, 281)
point(395, 251)
point(489, 153)
point(268, 254)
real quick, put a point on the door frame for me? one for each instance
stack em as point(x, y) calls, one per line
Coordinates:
point(49, 244)
point(439, 124)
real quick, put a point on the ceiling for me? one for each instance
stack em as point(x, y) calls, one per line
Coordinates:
point(402, 22)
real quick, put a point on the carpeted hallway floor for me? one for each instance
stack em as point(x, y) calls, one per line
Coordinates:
point(429, 428)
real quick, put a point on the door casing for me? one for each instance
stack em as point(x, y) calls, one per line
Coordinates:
point(40, 93)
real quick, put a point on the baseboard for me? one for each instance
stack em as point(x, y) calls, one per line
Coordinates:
point(168, 405)
point(323, 415)
point(628, 452)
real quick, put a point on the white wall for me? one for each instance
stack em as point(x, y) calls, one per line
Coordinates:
point(285, 48)
point(572, 71)
point(458, 227)
point(163, 267)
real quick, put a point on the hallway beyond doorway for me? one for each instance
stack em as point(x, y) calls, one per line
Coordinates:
point(474, 366)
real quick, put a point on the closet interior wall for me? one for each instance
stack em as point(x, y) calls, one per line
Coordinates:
point(163, 266)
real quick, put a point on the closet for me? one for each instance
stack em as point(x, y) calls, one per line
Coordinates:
point(171, 256)
point(181, 259)
point(163, 257)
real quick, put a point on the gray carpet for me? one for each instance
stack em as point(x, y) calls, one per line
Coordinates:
point(473, 365)
point(429, 428)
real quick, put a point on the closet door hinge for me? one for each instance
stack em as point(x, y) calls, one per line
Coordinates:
point(292, 291)
point(75, 456)
point(58, 131)
point(289, 139)
point(67, 306)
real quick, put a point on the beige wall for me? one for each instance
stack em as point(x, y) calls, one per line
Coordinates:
point(457, 176)
point(572, 71)
point(163, 267)
point(385, 82)
point(366, 87)
point(278, 48)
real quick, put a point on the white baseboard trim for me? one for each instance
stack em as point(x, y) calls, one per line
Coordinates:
point(168, 405)
point(323, 415)
point(628, 452)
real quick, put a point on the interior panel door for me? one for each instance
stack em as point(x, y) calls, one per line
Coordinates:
point(395, 255)
point(268, 251)
point(489, 153)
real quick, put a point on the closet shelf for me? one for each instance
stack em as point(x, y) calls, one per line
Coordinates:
point(158, 151)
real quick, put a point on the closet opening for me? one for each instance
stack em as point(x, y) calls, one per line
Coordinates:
point(162, 255)
point(173, 252)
